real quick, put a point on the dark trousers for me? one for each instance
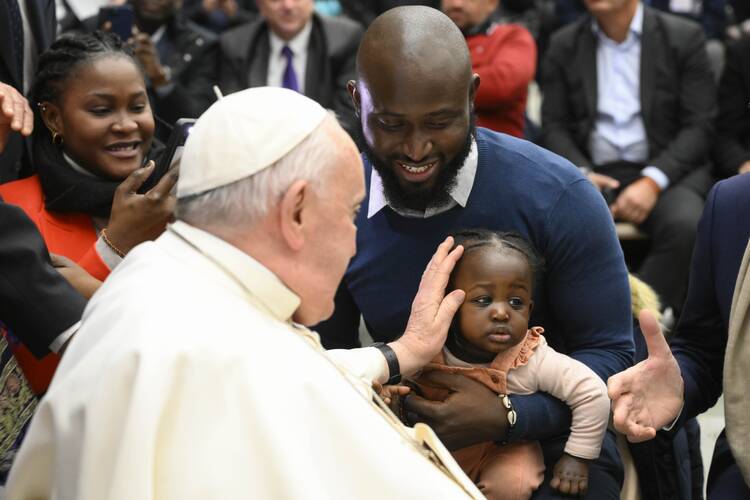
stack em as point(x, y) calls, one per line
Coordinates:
point(671, 227)
point(605, 473)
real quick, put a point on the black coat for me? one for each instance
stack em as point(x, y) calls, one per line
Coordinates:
point(678, 94)
point(36, 302)
point(14, 160)
point(331, 61)
point(733, 123)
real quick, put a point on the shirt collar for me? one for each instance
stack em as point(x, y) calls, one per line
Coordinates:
point(459, 193)
point(298, 44)
point(250, 274)
point(635, 28)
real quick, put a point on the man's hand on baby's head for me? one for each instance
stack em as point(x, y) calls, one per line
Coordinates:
point(570, 476)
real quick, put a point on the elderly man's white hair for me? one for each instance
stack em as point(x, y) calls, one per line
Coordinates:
point(245, 202)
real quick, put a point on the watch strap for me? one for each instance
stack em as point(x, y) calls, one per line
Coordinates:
point(394, 369)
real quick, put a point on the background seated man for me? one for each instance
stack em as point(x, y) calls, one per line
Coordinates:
point(178, 56)
point(629, 98)
point(291, 46)
point(504, 57)
point(732, 146)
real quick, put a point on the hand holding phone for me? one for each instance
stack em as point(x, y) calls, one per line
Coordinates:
point(117, 19)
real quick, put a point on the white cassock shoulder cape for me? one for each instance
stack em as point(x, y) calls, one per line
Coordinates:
point(188, 381)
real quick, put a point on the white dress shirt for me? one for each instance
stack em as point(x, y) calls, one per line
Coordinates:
point(277, 61)
point(619, 132)
point(459, 193)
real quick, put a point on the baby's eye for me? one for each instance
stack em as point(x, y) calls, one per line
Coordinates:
point(483, 300)
point(515, 302)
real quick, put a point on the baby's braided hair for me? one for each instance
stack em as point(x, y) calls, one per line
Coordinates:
point(504, 241)
point(65, 55)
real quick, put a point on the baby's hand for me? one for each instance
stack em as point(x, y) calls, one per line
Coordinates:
point(570, 476)
point(390, 393)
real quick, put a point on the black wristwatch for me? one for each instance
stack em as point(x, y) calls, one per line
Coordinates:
point(394, 370)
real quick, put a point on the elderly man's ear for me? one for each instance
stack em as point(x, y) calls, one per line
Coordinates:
point(293, 215)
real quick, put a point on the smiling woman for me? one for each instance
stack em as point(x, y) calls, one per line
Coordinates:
point(92, 134)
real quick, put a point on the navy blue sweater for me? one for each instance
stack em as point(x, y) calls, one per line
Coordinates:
point(582, 299)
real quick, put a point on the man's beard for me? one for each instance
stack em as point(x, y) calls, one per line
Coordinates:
point(417, 196)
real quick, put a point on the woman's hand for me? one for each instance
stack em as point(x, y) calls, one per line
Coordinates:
point(82, 281)
point(137, 217)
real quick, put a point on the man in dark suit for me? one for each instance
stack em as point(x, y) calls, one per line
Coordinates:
point(732, 147)
point(629, 98)
point(178, 57)
point(27, 28)
point(36, 302)
point(291, 46)
point(688, 381)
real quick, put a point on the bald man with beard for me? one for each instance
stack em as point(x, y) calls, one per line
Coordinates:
point(429, 172)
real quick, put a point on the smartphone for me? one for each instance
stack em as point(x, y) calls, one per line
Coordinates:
point(172, 154)
point(121, 18)
point(175, 144)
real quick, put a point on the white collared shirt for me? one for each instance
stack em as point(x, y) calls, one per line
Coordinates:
point(459, 193)
point(277, 61)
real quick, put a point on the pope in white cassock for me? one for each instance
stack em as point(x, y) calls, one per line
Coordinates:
point(191, 375)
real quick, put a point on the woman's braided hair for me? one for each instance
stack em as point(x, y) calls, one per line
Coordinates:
point(504, 241)
point(65, 55)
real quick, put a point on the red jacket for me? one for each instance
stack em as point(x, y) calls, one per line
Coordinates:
point(504, 57)
point(70, 234)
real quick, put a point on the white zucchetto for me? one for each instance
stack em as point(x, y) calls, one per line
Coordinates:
point(242, 134)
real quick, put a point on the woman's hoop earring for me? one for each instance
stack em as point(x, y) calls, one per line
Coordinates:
point(57, 138)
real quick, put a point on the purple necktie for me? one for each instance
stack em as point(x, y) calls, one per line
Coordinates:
point(290, 77)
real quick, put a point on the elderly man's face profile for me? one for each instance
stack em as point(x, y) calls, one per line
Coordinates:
point(331, 232)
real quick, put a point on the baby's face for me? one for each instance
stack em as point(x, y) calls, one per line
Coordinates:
point(498, 286)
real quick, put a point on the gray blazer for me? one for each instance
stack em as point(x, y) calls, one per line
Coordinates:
point(331, 61)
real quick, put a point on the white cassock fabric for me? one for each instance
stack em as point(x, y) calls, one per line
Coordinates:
point(187, 380)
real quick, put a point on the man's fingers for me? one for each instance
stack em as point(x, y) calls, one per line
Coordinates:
point(620, 383)
point(7, 103)
point(28, 121)
point(19, 107)
point(136, 179)
point(638, 433)
point(449, 306)
point(426, 410)
point(655, 342)
point(621, 413)
point(554, 482)
point(442, 251)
